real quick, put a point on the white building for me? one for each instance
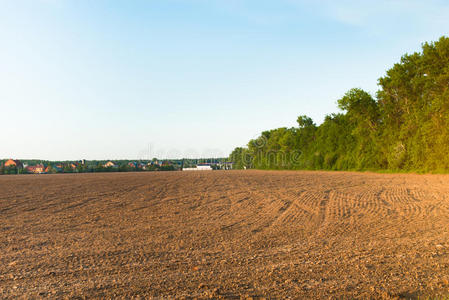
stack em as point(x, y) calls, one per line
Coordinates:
point(204, 167)
point(199, 167)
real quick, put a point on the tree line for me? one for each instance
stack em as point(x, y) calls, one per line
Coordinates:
point(92, 166)
point(405, 127)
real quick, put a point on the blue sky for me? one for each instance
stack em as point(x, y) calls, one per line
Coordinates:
point(191, 78)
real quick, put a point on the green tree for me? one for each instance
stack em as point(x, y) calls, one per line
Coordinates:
point(241, 158)
point(362, 114)
point(405, 128)
point(414, 109)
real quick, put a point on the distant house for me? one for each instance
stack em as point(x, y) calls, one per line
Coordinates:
point(13, 163)
point(225, 165)
point(37, 169)
point(204, 167)
point(54, 169)
point(110, 164)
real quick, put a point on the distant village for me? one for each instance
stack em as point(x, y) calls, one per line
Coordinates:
point(15, 166)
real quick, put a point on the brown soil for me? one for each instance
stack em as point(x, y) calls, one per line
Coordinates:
point(224, 234)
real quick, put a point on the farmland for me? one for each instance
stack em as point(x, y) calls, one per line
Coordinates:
point(224, 234)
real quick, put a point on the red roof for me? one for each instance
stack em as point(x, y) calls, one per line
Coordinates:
point(12, 162)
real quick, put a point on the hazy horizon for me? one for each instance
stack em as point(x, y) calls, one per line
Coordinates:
point(111, 159)
point(188, 78)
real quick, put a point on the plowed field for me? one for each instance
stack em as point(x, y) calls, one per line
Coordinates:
point(224, 234)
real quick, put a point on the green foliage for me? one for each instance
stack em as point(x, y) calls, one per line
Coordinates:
point(304, 121)
point(124, 168)
point(414, 101)
point(241, 158)
point(11, 170)
point(335, 144)
point(68, 168)
point(52, 170)
point(167, 168)
point(405, 128)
